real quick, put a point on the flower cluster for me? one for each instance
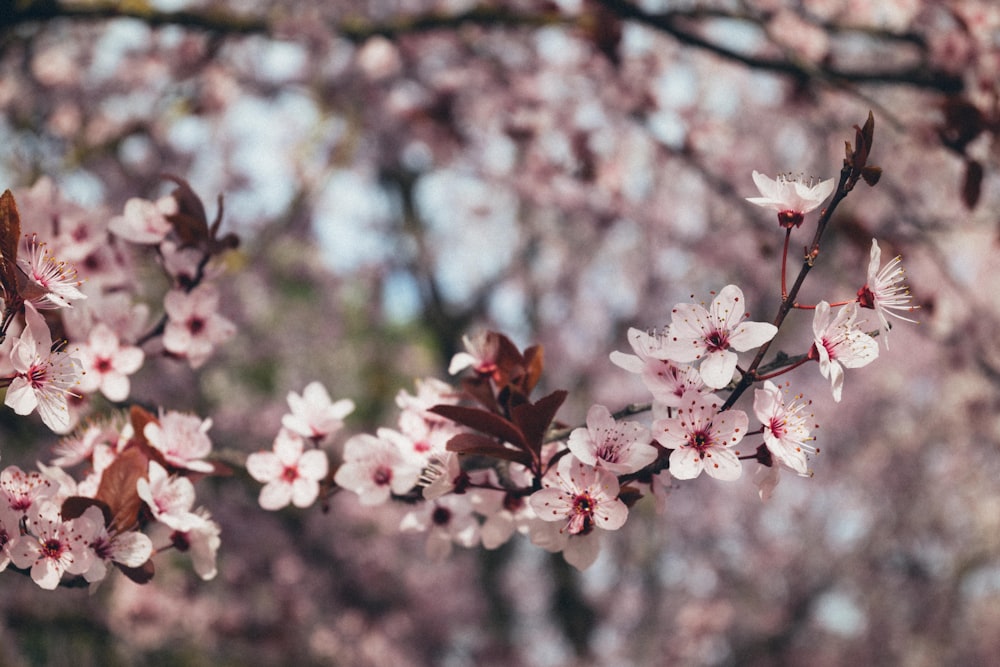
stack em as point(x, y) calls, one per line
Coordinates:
point(120, 487)
point(488, 461)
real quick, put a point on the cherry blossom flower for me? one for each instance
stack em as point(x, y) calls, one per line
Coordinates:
point(621, 447)
point(313, 414)
point(53, 546)
point(839, 344)
point(194, 326)
point(441, 475)
point(375, 467)
point(480, 354)
point(129, 548)
point(702, 439)
point(669, 382)
point(791, 197)
point(43, 377)
point(289, 474)
point(182, 439)
point(712, 335)
point(884, 291)
point(200, 539)
point(168, 497)
point(144, 221)
point(786, 429)
point(81, 445)
point(20, 490)
point(447, 521)
point(107, 363)
point(50, 283)
point(10, 528)
point(504, 514)
point(581, 496)
point(579, 550)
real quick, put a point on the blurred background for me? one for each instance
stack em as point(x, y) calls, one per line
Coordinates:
point(402, 172)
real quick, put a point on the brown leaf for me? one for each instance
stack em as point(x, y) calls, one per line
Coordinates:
point(190, 222)
point(75, 506)
point(533, 419)
point(118, 487)
point(139, 417)
point(534, 362)
point(141, 574)
point(10, 237)
point(474, 443)
point(483, 421)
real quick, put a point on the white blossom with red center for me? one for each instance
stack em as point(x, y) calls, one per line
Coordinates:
point(839, 343)
point(447, 521)
point(52, 546)
point(884, 291)
point(480, 354)
point(580, 496)
point(182, 439)
point(669, 382)
point(290, 473)
point(194, 326)
point(703, 439)
point(43, 378)
point(169, 498)
point(107, 363)
point(621, 447)
point(313, 414)
point(711, 335)
point(128, 548)
point(786, 428)
point(376, 467)
point(19, 490)
point(49, 283)
point(792, 197)
point(144, 221)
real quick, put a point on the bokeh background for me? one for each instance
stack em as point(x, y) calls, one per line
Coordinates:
point(402, 172)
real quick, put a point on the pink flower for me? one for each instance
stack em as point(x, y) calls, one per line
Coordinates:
point(20, 490)
point(702, 439)
point(884, 291)
point(144, 221)
point(194, 327)
point(289, 474)
point(581, 496)
point(128, 548)
point(203, 541)
point(376, 467)
point(447, 521)
point(43, 378)
point(107, 364)
point(182, 439)
point(669, 382)
point(53, 546)
point(480, 354)
point(313, 414)
point(786, 429)
point(839, 344)
point(696, 333)
point(50, 283)
point(168, 497)
point(790, 197)
point(621, 447)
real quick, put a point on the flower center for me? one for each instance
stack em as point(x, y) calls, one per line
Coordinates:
point(52, 548)
point(290, 474)
point(717, 340)
point(866, 298)
point(382, 475)
point(441, 516)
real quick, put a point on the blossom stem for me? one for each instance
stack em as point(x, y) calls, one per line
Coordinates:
point(782, 371)
point(784, 263)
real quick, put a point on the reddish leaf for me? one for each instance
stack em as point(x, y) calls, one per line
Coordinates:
point(534, 418)
point(510, 363)
point(474, 443)
point(485, 422)
point(190, 221)
point(534, 362)
point(141, 574)
point(75, 506)
point(139, 418)
point(10, 236)
point(117, 487)
point(972, 184)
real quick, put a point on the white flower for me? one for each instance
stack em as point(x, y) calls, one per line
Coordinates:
point(53, 546)
point(168, 497)
point(289, 474)
point(790, 197)
point(786, 429)
point(712, 335)
point(884, 291)
point(194, 327)
point(839, 344)
point(702, 439)
point(376, 467)
point(581, 497)
point(43, 378)
point(144, 221)
point(480, 354)
point(621, 447)
point(107, 363)
point(49, 282)
point(182, 439)
point(313, 414)
point(128, 548)
point(669, 382)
